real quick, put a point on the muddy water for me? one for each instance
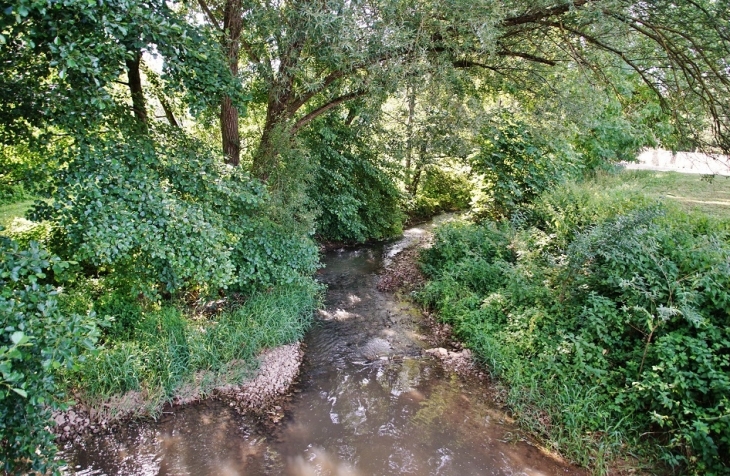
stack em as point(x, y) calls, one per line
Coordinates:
point(369, 403)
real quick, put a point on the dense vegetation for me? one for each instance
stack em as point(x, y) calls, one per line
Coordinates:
point(179, 153)
point(606, 314)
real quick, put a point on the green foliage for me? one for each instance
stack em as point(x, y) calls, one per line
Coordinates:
point(23, 173)
point(23, 231)
point(271, 254)
point(616, 135)
point(37, 339)
point(65, 58)
point(159, 350)
point(13, 193)
point(515, 167)
point(160, 212)
point(358, 200)
point(606, 314)
point(441, 191)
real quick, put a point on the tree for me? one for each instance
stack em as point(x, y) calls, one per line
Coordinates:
point(306, 59)
point(62, 62)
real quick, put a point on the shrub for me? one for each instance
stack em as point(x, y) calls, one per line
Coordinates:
point(23, 173)
point(357, 197)
point(515, 166)
point(23, 231)
point(441, 191)
point(607, 316)
point(36, 340)
point(159, 213)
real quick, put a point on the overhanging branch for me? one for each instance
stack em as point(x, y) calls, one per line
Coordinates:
point(322, 109)
point(543, 14)
point(528, 56)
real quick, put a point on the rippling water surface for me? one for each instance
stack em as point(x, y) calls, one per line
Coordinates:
point(368, 403)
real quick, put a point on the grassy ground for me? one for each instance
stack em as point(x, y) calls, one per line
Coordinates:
point(690, 191)
point(169, 351)
point(9, 212)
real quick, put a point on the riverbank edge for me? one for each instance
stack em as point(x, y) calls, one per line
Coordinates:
point(277, 373)
point(403, 277)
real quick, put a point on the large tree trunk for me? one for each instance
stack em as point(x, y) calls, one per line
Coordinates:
point(229, 132)
point(232, 24)
point(134, 79)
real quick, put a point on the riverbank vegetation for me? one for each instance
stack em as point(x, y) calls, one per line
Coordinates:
point(170, 155)
point(604, 311)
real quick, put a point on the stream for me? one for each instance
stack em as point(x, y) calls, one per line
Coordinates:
point(369, 401)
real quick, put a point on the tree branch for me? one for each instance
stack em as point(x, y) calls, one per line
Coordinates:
point(528, 56)
point(600, 44)
point(209, 14)
point(542, 14)
point(327, 81)
point(322, 109)
point(472, 64)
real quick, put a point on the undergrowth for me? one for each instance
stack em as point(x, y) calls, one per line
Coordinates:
point(606, 315)
point(163, 351)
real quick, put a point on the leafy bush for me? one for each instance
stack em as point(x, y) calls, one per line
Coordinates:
point(515, 166)
point(36, 340)
point(441, 191)
point(607, 316)
point(23, 174)
point(160, 212)
point(23, 231)
point(358, 199)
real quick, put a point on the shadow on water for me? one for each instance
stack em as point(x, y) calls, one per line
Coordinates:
point(368, 403)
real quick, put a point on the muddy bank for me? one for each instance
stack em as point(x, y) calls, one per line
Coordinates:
point(276, 373)
point(403, 275)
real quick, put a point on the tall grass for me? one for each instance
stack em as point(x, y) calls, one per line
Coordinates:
point(166, 349)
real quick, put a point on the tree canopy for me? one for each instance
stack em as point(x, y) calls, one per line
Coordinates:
point(301, 60)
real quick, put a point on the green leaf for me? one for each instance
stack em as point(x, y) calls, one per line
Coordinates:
point(19, 338)
point(21, 392)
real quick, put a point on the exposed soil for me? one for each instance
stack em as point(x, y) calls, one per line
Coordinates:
point(261, 395)
point(403, 274)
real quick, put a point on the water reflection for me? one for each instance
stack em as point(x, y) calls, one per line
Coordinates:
point(369, 404)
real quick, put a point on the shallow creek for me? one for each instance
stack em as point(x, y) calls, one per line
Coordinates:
point(369, 402)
